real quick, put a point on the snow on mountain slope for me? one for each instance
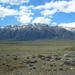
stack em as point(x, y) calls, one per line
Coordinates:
point(21, 26)
point(34, 25)
point(34, 32)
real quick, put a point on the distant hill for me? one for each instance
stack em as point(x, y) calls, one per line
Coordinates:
point(34, 32)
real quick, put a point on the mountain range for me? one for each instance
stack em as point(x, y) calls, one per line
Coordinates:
point(35, 31)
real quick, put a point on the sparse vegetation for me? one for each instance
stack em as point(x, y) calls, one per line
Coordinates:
point(37, 58)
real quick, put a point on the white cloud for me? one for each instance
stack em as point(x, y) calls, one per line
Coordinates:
point(25, 14)
point(25, 10)
point(50, 8)
point(12, 2)
point(67, 24)
point(7, 12)
point(48, 12)
point(54, 24)
point(27, 7)
point(64, 6)
point(25, 19)
point(41, 20)
point(47, 5)
point(57, 6)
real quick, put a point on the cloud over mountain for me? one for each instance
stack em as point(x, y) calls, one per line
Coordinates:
point(41, 20)
point(67, 24)
point(25, 12)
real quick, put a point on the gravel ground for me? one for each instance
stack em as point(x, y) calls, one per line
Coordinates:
point(41, 64)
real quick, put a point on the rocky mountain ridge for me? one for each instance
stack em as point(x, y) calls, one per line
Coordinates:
point(35, 31)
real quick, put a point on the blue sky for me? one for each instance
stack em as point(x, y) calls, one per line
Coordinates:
point(52, 12)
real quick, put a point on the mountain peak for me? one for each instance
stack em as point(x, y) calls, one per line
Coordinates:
point(34, 32)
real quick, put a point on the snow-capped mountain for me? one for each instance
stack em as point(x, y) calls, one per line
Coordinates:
point(35, 31)
point(21, 26)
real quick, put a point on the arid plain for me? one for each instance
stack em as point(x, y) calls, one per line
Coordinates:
point(46, 57)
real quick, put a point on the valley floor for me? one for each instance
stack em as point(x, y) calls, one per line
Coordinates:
point(37, 58)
